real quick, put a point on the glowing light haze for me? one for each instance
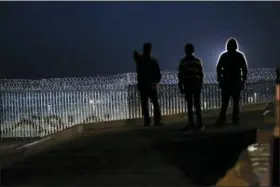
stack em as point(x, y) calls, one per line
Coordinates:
point(236, 49)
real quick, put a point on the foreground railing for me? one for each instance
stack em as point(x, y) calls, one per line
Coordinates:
point(37, 108)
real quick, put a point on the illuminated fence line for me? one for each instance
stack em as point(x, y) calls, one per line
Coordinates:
point(37, 108)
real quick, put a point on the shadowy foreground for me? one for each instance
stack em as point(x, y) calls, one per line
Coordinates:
point(155, 156)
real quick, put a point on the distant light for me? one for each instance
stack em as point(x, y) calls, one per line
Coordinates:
point(91, 101)
point(252, 148)
point(250, 99)
point(49, 108)
point(205, 104)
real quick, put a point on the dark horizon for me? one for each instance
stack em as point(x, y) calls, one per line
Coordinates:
point(81, 39)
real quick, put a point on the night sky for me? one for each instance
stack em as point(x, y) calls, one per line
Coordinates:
point(78, 39)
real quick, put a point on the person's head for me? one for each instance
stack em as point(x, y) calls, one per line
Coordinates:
point(232, 45)
point(147, 48)
point(189, 49)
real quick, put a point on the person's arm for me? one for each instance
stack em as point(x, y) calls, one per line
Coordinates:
point(157, 72)
point(219, 68)
point(180, 77)
point(201, 72)
point(136, 57)
point(244, 68)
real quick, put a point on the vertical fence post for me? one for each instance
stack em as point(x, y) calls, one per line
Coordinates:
point(131, 100)
point(1, 123)
point(275, 155)
point(1, 113)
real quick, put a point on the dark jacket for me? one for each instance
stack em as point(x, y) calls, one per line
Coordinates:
point(190, 72)
point(148, 71)
point(232, 68)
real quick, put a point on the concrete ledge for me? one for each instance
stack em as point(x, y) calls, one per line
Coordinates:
point(264, 136)
point(175, 118)
point(20, 153)
point(241, 174)
point(87, 129)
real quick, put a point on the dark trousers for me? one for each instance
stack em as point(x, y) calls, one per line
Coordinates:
point(227, 94)
point(145, 95)
point(193, 99)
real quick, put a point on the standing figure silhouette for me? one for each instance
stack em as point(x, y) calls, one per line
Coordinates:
point(231, 74)
point(190, 78)
point(148, 77)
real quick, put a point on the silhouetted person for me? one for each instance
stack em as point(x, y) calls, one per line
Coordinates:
point(231, 74)
point(190, 78)
point(148, 77)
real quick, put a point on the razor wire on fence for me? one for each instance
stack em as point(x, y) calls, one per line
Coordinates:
point(37, 108)
point(120, 81)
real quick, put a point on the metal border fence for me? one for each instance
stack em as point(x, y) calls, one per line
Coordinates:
point(37, 108)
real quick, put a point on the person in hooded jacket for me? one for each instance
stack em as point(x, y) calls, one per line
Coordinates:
point(231, 76)
point(190, 78)
point(148, 77)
